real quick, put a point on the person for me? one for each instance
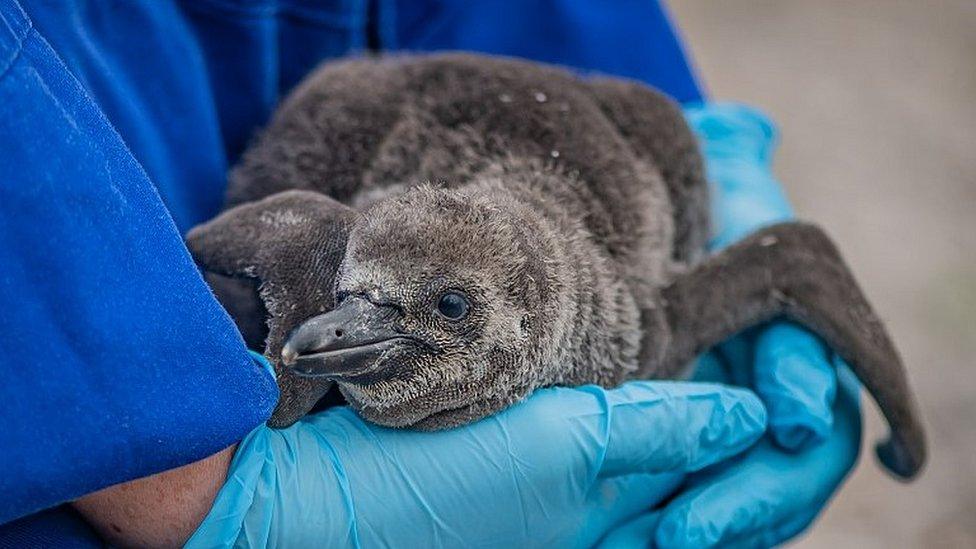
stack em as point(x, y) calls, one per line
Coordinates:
point(128, 392)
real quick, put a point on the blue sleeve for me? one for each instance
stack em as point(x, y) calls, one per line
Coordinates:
point(117, 361)
point(60, 527)
point(630, 38)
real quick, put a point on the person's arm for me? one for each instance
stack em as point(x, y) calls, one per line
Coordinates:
point(160, 510)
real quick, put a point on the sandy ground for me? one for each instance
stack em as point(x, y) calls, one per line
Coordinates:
point(876, 100)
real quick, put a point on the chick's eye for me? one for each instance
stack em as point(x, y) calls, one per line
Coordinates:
point(453, 306)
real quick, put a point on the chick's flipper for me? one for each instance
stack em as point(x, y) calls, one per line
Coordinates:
point(291, 244)
point(793, 270)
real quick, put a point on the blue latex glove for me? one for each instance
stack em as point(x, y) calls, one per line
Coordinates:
point(560, 469)
point(782, 484)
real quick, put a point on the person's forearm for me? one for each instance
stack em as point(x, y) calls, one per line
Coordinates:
point(161, 510)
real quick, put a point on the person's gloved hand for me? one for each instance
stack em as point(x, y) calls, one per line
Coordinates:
point(782, 484)
point(559, 470)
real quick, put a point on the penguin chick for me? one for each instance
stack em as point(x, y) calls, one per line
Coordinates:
point(560, 243)
point(453, 304)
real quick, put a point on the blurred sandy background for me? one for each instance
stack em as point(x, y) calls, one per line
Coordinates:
point(876, 102)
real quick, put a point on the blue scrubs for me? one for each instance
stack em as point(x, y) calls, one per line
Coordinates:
point(118, 121)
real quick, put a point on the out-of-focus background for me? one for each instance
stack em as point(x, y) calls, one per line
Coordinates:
point(876, 102)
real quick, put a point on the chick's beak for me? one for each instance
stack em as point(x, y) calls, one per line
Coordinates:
point(347, 341)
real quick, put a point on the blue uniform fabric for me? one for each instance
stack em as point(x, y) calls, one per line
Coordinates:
point(117, 361)
point(630, 38)
point(61, 527)
point(118, 121)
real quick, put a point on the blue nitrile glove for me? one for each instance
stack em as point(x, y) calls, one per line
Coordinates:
point(558, 470)
point(778, 488)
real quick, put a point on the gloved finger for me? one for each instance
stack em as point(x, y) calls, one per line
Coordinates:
point(789, 369)
point(618, 500)
point(793, 375)
point(657, 427)
point(776, 534)
point(768, 494)
point(639, 532)
point(636, 533)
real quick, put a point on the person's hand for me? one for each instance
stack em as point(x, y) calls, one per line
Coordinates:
point(778, 488)
point(560, 469)
point(769, 494)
